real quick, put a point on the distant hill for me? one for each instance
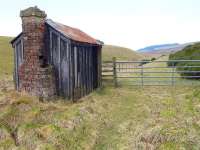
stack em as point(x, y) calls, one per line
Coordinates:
point(121, 53)
point(158, 47)
point(6, 56)
point(164, 49)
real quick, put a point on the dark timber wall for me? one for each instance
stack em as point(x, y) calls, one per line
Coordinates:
point(18, 53)
point(77, 65)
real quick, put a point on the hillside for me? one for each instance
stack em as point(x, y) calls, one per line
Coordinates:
point(6, 56)
point(191, 52)
point(110, 51)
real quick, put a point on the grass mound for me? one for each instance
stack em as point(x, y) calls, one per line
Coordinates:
point(121, 53)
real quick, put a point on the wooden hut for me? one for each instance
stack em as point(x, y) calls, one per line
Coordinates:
point(55, 59)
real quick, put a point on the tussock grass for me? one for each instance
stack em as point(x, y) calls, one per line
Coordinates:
point(109, 118)
point(122, 118)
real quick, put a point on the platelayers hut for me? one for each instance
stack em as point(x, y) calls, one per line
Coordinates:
point(55, 59)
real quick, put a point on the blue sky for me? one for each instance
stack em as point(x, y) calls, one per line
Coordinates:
point(129, 23)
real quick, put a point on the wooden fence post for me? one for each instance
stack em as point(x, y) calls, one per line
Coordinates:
point(115, 72)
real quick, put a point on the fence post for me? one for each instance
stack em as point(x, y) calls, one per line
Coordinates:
point(115, 72)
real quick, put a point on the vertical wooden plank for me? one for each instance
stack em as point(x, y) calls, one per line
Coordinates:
point(75, 66)
point(69, 65)
point(78, 72)
point(96, 67)
point(55, 60)
point(16, 75)
point(64, 69)
point(51, 48)
point(19, 59)
point(68, 70)
point(81, 70)
point(100, 66)
point(89, 69)
point(92, 69)
point(84, 72)
point(59, 63)
point(72, 78)
point(115, 72)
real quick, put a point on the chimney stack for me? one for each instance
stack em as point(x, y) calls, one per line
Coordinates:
point(34, 76)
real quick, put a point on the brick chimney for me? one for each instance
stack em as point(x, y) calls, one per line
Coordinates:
point(35, 77)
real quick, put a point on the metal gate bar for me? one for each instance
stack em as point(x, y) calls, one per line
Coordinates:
point(128, 71)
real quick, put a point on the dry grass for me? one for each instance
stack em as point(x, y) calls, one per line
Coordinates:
point(123, 118)
point(136, 118)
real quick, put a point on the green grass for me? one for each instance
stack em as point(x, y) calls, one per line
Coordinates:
point(121, 53)
point(110, 118)
point(6, 57)
point(190, 52)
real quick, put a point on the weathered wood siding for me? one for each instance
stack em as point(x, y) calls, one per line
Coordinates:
point(77, 65)
point(18, 58)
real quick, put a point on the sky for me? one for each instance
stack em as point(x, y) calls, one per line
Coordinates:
point(129, 23)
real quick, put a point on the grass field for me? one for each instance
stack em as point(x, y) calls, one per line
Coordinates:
point(122, 118)
point(148, 118)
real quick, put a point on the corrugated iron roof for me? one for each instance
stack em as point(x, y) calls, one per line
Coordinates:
point(73, 33)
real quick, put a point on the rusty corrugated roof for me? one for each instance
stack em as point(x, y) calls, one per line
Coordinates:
point(72, 33)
